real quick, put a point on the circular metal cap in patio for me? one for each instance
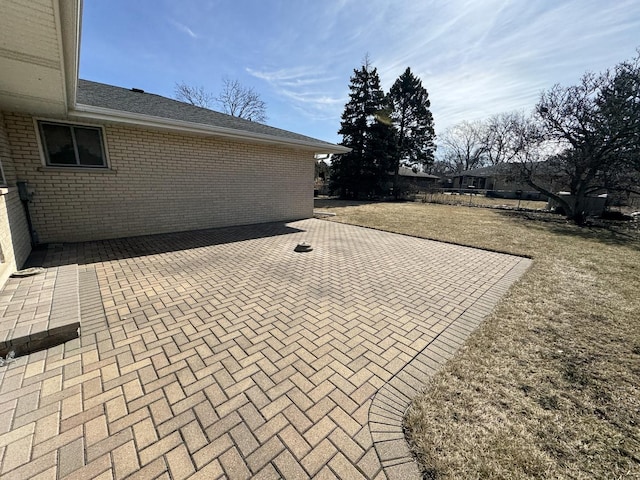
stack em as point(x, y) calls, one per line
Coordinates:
point(303, 247)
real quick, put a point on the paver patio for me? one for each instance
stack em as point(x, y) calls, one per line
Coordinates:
point(225, 354)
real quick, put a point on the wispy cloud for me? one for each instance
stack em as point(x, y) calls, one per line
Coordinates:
point(183, 28)
point(475, 58)
point(490, 57)
point(291, 77)
point(308, 88)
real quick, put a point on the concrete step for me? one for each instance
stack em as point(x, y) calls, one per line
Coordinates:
point(39, 311)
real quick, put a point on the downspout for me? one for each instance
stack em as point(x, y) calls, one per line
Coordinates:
point(25, 198)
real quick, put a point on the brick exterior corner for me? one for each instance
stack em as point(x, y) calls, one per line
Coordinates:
point(15, 244)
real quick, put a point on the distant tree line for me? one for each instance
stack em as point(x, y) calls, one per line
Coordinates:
point(589, 133)
point(468, 145)
point(384, 132)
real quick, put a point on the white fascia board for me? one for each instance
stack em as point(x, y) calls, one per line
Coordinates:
point(137, 119)
point(59, 34)
point(69, 18)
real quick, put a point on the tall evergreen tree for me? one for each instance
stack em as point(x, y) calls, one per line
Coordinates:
point(413, 121)
point(359, 172)
point(380, 152)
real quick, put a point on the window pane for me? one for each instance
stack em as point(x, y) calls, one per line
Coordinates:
point(89, 146)
point(58, 143)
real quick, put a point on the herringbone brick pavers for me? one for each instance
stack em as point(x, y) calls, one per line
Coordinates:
point(225, 354)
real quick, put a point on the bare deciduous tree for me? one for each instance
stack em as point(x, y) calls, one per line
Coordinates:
point(234, 99)
point(502, 136)
point(595, 127)
point(469, 145)
point(463, 146)
point(240, 101)
point(194, 95)
point(586, 133)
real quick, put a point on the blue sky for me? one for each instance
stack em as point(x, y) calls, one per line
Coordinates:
point(475, 58)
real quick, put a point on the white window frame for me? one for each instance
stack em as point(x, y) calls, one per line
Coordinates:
point(44, 154)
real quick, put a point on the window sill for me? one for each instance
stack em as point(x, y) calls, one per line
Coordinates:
point(100, 170)
point(4, 190)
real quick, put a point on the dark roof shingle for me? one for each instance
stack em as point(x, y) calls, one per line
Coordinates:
point(408, 172)
point(124, 100)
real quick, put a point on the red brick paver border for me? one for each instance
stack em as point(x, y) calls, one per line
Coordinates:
point(225, 354)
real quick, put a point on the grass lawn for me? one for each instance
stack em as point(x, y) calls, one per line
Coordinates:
point(481, 201)
point(549, 385)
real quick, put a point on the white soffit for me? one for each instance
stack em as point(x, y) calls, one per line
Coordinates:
point(32, 56)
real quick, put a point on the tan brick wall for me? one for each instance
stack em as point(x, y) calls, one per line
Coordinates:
point(5, 153)
point(15, 243)
point(162, 182)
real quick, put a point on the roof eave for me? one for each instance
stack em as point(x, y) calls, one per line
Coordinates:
point(90, 112)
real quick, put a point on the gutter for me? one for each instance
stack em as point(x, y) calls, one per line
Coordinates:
point(89, 112)
point(68, 17)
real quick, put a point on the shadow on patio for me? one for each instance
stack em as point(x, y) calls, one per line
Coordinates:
point(54, 255)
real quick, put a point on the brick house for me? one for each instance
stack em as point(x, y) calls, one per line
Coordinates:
point(99, 161)
point(501, 177)
point(502, 180)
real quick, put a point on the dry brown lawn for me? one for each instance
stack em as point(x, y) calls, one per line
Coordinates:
point(549, 385)
point(481, 201)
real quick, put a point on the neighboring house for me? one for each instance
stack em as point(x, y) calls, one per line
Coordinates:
point(494, 177)
point(499, 180)
point(100, 161)
point(418, 181)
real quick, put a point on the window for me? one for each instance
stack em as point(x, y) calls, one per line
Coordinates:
point(72, 145)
